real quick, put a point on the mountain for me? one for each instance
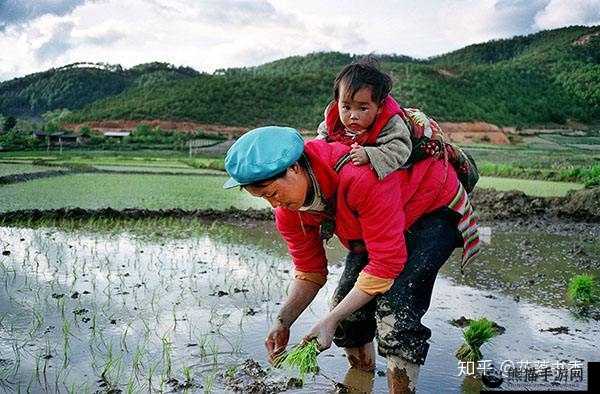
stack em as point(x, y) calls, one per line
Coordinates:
point(75, 85)
point(551, 77)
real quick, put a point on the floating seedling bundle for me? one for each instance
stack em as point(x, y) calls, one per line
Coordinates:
point(479, 332)
point(583, 291)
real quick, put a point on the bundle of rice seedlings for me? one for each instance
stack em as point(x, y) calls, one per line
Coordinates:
point(302, 357)
point(583, 290)
point(479, 332)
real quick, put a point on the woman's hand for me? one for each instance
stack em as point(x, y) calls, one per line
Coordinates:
point(358, 155)
point(277, 340)
point(299, 297)
point(323, 331)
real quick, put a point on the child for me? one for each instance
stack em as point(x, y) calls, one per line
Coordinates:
point(365, 116)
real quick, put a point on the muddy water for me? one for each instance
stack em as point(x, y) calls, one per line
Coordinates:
point(84, 310)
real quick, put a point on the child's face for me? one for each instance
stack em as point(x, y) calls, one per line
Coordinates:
point(359, 112)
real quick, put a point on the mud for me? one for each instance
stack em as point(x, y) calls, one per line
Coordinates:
point(250, 377)
point(582, 206)
point(227, 215)
point(17, 178)
point(464, 132)
point(463, 322)
point(579, 206)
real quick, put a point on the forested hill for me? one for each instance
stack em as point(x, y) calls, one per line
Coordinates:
point(75, 85)
point(550, 77)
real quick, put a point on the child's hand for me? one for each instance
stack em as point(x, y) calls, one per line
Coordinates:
point(358, 155)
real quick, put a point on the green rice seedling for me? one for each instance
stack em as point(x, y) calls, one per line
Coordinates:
point(302, 357)
point(230, 371)
point(138, 356)
point(583, 290)
point(167, 348)
point(72, 389)
point(209, 381)
point(188, 378)
point(151, 371)
point(66, 330)
point(479, 332)
point(131, 388)
point(112, 369)
point(187, 374)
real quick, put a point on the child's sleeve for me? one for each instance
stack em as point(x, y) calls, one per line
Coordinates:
point(393, 147)
point(322, 131)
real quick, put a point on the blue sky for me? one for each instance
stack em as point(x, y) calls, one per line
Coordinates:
point(209, 34)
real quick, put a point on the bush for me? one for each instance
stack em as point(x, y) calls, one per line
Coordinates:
point(15, 140)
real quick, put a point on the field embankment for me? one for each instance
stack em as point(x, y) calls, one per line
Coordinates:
point(579, 206)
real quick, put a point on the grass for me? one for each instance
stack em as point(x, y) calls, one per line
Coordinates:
point(479, 332)
point(555, 158)
point(119, 191)
point(302, 357)
point(583, 290)
point(528, 186)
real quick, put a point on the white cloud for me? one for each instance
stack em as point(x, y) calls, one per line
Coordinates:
point(211, 34)
point(59, 42)
point(574, 12)
point(475, 21)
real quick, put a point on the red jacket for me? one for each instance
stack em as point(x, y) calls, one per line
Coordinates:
point(375, 211)
point(336, 128)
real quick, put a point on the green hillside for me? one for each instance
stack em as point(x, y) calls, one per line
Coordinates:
point(547, 78)
point(75, 85)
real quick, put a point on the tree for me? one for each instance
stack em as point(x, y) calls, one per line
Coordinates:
point(9, 123)
point(85, 131)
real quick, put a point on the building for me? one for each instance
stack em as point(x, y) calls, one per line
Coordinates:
point(116, 134)
point(59, 138)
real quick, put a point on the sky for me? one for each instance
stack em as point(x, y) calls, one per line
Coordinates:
point(36, 35)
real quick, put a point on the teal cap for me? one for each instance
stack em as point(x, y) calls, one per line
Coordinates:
point(261, 154)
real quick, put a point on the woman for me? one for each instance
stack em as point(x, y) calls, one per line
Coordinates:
point(399, 231)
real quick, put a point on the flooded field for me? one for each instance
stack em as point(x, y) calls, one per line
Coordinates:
point(179, 305)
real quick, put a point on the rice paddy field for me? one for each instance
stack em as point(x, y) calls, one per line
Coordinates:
point(7, 169)
point(119, 191)
point(154, 305)
point(183, 305)
point(530, 187)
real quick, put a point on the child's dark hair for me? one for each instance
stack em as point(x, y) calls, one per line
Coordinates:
point(361, 73)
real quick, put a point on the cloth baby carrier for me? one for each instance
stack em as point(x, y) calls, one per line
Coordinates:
point(428, 139)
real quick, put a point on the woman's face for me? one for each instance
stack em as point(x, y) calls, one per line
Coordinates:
point(289, 191)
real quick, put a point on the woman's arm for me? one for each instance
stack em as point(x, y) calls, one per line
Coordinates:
point(325, 328)
point(301, 294)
